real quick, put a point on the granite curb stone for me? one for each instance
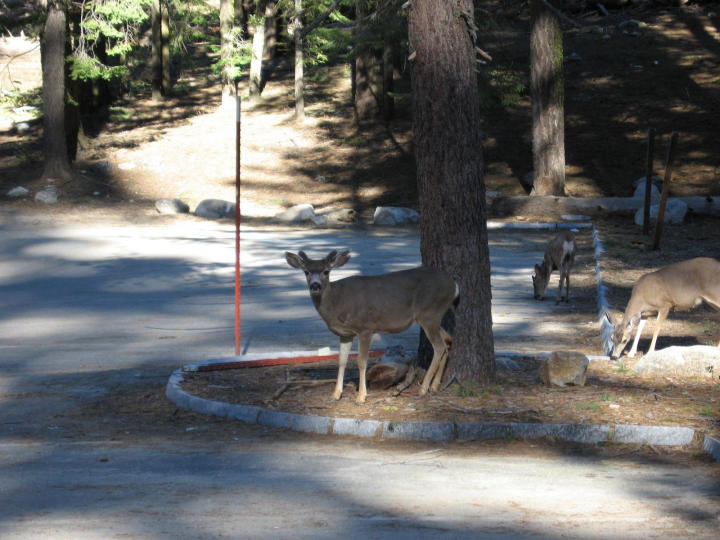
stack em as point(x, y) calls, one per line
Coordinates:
point(437, 431)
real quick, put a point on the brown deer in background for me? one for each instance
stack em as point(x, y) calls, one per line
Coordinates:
point(682, 285)
point(390, 303)
point(559, 255)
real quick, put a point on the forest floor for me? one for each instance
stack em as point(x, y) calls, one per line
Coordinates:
point(624, 73)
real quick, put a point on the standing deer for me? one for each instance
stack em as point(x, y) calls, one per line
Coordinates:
point(364, 305)
point(559, 255)
point(682, 285)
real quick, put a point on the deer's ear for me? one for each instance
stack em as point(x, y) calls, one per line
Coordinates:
point(293, 260)
point(341, 259)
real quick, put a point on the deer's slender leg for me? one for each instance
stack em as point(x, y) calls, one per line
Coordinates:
point(560, 285)
point(662, 314)
point(567, 284)
point(364, 341)
point(447, 341)
point(633, 349)
point(435, 337)
point(345, 344)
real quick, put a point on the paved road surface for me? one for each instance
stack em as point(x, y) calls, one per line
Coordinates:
point(91, 309)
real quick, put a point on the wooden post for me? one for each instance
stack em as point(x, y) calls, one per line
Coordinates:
point(237, 222)
point(665, 189)
point(648, 180)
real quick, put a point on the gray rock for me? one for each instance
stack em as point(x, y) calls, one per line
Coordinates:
point(640, 192)
point(49, 195)
point(296, 214)
point(654, 180)
point(18, 192)
point(564, 368)
point(338, 216)
point(214, 209)
point(675, 211)
point(695, 361)
point(395, 216)
point(171, 206)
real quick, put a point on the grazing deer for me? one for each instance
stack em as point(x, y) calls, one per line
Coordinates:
point(559, 255)
point(682, 285)
point(365, 305)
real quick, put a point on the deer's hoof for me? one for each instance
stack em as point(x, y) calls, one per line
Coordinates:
point(359, 401)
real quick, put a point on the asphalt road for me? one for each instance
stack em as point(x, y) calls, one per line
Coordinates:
point(90, 310)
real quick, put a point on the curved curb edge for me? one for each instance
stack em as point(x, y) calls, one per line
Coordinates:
point(436, 431)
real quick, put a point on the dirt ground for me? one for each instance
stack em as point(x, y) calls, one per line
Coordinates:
point(662, 72)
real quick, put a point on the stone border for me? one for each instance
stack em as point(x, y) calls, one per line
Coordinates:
point(448, 431)
point(436, 431)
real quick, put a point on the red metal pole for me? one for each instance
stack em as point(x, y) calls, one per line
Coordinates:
point(237, 223)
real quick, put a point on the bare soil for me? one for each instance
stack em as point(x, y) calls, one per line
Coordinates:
point(664, 75)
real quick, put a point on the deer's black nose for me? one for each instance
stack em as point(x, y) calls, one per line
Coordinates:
point(314, 287)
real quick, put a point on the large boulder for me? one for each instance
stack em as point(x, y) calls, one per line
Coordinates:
point(694, 361)
point(392, 216)
point(214, 209)
point(171, 206)
point(564, 368)
point(674, 213)
point(297, 214)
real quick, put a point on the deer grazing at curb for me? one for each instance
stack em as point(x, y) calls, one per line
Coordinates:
point(682, 285)
point(559, 255)
point(390, 303)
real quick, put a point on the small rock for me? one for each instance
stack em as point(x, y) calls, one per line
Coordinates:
point(49, 195)
point(296, 214)
point(171, 206)
point(395, 216)
point(214, 209)
point(18, 192)
point(564, 368)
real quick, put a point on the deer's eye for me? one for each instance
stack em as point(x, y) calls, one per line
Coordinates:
point(326, 272)
point(306, 272)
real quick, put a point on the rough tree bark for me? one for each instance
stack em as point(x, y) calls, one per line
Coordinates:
point(546, 87)
point(156, 51)
point(57, 164)
point(299, 72)
point(258, 51)
point(366, 83)
point(165, 48)
point(227, 18)
point(448, 150)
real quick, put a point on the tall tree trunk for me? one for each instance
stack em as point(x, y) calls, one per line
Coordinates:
point(270, 30)
point(299, 73)
point(388, 102)
point(57, 164)
point(227, 17)
point(258, 47)
point(546, 88)
point(165, 36)
point(448, 151)
point(365, 68)
point(156, 51)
